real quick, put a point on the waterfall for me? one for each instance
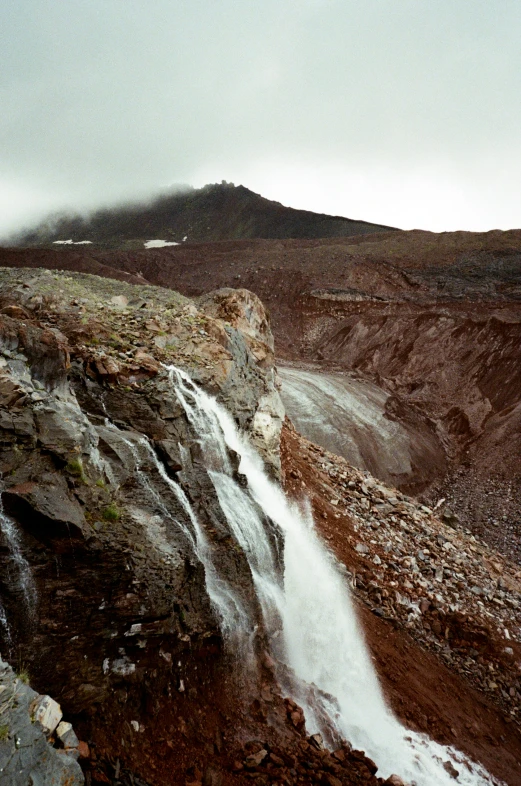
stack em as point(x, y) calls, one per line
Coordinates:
point(4, 622)
point(307, 610)
point(232, 613)
point(21, 575)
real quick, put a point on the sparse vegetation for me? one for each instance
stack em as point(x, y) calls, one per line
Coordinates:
point(4, 732)
point(111, 512)
point(23, 675)
point(75, 467)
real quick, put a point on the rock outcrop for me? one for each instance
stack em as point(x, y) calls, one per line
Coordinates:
point(103, 478)
point(36, 746)
point(431, 319)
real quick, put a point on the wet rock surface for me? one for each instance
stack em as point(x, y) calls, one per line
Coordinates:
point(356, 419)
point(433, 320)
point(101, 473)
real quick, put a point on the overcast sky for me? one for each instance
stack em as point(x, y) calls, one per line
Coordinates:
point(405, 112)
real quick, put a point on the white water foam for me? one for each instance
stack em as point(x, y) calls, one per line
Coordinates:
point(5, 625)
point(23, 576)
point(308, 610)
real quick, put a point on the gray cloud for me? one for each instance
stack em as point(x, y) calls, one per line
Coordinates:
point(389, 110)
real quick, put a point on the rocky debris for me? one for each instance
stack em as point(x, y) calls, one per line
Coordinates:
point(453, 594)
point(48, 714)
point(488, 503)
point(112, 771)
point(305, 760)
point(35, 747)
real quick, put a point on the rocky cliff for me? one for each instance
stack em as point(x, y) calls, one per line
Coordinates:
point(431, 320)
point(102, 582)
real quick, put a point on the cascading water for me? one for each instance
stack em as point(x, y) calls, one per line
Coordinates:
point(232, 612)
point(21, 575)
point(5, 626)
point(307, 610)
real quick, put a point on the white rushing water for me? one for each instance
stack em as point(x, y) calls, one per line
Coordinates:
point(307, 609)
point(21, 573)
point(234, 615)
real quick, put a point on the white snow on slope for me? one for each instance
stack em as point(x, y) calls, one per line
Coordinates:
point(72, 242)
point(159, 243)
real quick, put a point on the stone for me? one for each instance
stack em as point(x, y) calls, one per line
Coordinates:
point(394, 780)
point(317, 741)
point(451, 769)
point(47, 713)
point(254, 759)
point(66, 735)
point(51, 512)
point(450, 518)
point(212, 777)
point(119, 300)
point(332, 780)
point(361, 548)
point(26, 755)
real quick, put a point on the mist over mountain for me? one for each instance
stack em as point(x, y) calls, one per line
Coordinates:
point(215, 212)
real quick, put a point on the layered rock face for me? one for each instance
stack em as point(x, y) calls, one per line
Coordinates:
point(367, 425)
point(102, 479)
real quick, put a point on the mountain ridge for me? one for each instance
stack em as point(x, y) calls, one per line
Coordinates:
point(214, 212)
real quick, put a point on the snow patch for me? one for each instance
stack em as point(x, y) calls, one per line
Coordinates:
point(159, 243)
point(72, 242)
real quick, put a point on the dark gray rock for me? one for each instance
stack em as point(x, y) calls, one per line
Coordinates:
point(26, 755)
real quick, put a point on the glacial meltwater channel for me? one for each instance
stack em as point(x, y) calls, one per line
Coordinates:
point(307, 610)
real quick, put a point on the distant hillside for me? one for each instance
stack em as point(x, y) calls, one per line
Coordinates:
point(215, 212)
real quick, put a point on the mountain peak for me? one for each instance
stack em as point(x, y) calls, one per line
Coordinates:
point(217, 211)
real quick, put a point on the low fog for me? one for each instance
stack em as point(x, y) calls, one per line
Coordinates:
point(400, 112)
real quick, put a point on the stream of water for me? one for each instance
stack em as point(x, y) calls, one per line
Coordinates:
point(21, 576)
point(307, 610)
